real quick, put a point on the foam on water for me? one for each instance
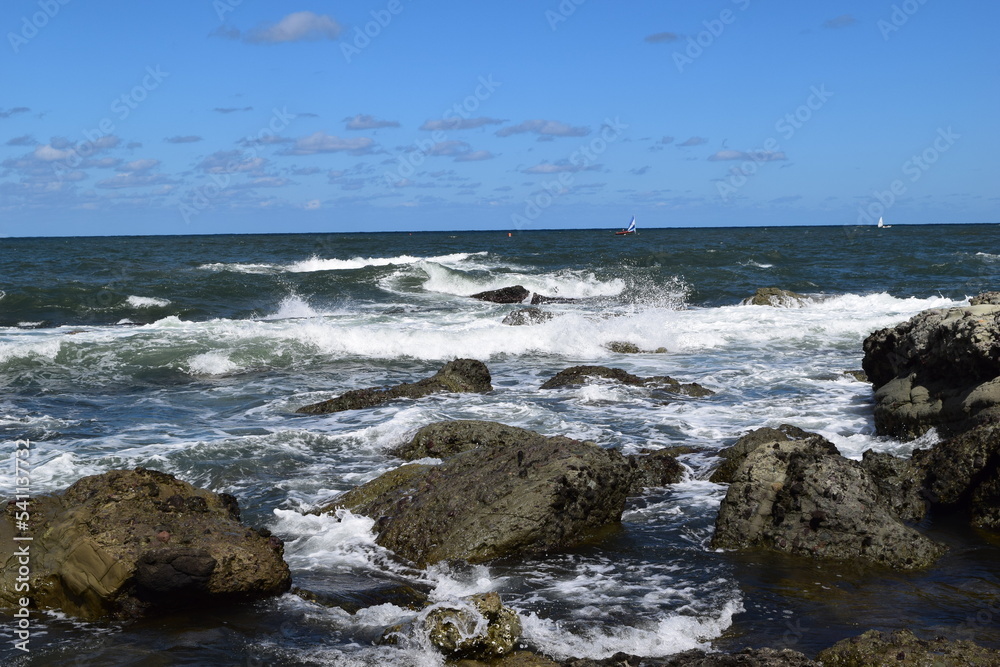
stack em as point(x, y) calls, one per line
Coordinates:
point(567, 284)
point(147, 302)
point(319, 264)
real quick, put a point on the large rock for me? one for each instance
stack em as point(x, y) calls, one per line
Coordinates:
point(460, 375)
point(799, 498)
point(443, 439)
point(750, 657)
point(774, 296)
point(517, 294)
point(129, 541)
point(580, 375)
point(963, 473)
point(986, 298)
point(489, 502)
point(939, 369)
point(734, 455)
point(903, 648)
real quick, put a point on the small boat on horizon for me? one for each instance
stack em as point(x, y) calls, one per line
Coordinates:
point(628, 230)
point(882, 225)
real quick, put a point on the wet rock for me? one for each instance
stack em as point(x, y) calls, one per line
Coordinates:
point(515, 659)
point(526, 317)
point(774, 296)
point(490, 502)
point(986, 299)
point(481, 630)
point(963, 472)
point(624, 347)
point(750, 657)
point(903, 648)
point(579, 375)
point(900, 484)
point(939, 369)
point(517, 294)
point(734, 456)
point(655, 469)
point(860, 376)
point(458, 376)
point(443, 439)
point(799, 498)
point(133, 541)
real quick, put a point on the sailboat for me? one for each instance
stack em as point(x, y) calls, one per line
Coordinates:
point(882, 225)
point(628, 230)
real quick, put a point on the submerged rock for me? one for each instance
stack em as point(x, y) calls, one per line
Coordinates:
point(537, 495)
point(775, 296)
point(800, 498)
point(481, 629)
point(458, 376)
point(624, 347)
point(580, 375)
point(941, 368)
point(131, 541)
point(526, 317)
point(903, 648)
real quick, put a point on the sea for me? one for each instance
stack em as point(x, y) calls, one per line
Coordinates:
point(190, 355)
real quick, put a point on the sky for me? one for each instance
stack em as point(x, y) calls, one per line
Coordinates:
point(246, 116)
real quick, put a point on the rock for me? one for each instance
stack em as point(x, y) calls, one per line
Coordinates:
point(900, 484)
point(623, 347)
point(482, 630)
point(735, 455)
point(131, 541)
point(939, 369)
point(799, 498)
point(515, 659)
point(750, 657)
point(526, 317)
point(491, 502)
point(964, 473)
point(655, 469)
point(774, 296)
point(903, 648)
point(579, 375)
point(458, 376)
point(986, 299)
point(443, 439)
point(860, 376)
point(517, 294)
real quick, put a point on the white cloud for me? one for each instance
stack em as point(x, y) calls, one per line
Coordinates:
point(321, 142)
point(296, 27)
point(459, 123)
point(547, 128)
point(367, 122)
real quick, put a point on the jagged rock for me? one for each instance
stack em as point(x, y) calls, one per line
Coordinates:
point(903, 648)
point(900, 483)
point(526, 317)
point(939, 369)
point(860, 376)
point(517, 294)
point(799, 498)
point(750, 657)
point(964, 473)
point(579, 375)
point(774, 296)
point(482, 630)
point(623, 347)
point(443, 439)
point(458, 376)
point(655, 469)
point(986, 299)
point(133, 541)
point(490, 502)
point(734, 455)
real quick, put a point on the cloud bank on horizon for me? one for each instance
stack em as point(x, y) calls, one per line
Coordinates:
point(230, 116)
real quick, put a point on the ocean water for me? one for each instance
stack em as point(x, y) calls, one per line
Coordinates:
point(190, 354)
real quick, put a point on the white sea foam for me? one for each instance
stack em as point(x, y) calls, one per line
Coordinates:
point(320, 264)
point(147, 302)
point(566, 284)
point(211, 363)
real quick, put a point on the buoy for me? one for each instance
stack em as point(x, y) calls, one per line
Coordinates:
point(509, 234)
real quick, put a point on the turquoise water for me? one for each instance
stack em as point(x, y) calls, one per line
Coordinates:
point(190, 354)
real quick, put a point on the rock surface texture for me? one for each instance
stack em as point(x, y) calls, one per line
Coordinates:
point(131, 541)
point(941, 368)
point(774, 296)
point(903, 648)
point(579, 375)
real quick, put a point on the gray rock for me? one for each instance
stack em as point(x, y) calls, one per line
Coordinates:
point(482, 630)
point(517, 294)
point(734, 456)
point(526, 317)
point(624, 347)
point(900, 483)
point(903, 648)
point(444, 439)
point(654, 469)
point(487, 503)
point(939, 369)
point(129, 542)
point(775, 296)
point(750, 657)
point(798, 498)
point(460, 375)
point(579, 375)
point(986, 299)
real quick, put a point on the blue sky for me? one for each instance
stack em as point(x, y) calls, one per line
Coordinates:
point(248, 116)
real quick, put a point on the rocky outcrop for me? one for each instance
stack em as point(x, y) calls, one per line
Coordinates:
point(526, 317)
point(903, 648)
point(900, 483)
point(580, 375)
point(775, 296)
point(656, 468)
point(477, 629)
point(443, 439)
point(489, 502)
point(734, 455)
point(460, 375)
point(624, 347)
point(964, 473)
point(131, 541)
point(799, 498)
point(939, 369)
point(517, 294)
point(986, 299)
point(750, 657)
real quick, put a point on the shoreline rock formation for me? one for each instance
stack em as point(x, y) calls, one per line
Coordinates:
point(576, 376)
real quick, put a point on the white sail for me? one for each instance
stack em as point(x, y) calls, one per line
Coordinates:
point(631, 225)
point(880, 223)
